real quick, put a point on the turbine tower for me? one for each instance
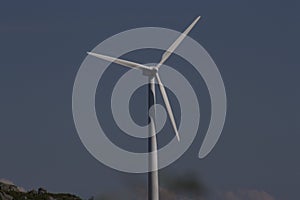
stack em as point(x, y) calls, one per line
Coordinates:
point(152, 73)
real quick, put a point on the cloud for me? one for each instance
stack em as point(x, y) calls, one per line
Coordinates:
point(246, 194)
point(167, 194)
point(187, 183)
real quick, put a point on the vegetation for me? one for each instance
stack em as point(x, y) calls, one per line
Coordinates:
point(11, 192)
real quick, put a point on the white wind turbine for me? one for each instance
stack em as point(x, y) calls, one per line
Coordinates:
point(152, 73)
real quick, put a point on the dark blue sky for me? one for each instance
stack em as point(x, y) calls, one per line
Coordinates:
point(254, 43)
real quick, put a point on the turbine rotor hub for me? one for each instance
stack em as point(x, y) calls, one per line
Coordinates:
point(151, 72)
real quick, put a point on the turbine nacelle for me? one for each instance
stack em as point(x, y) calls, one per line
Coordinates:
point(151, 72)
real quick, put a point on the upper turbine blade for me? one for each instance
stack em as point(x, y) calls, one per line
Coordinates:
point(172, 48)
point(168, 106)
point(120, 61)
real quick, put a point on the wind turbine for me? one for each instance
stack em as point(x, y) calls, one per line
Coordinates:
point(152, 73)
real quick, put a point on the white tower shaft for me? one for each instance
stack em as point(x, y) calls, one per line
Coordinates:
point(153, 188)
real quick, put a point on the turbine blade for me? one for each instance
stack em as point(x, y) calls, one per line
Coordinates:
point(119, 61)
point(168, 106)
point(172, 48)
